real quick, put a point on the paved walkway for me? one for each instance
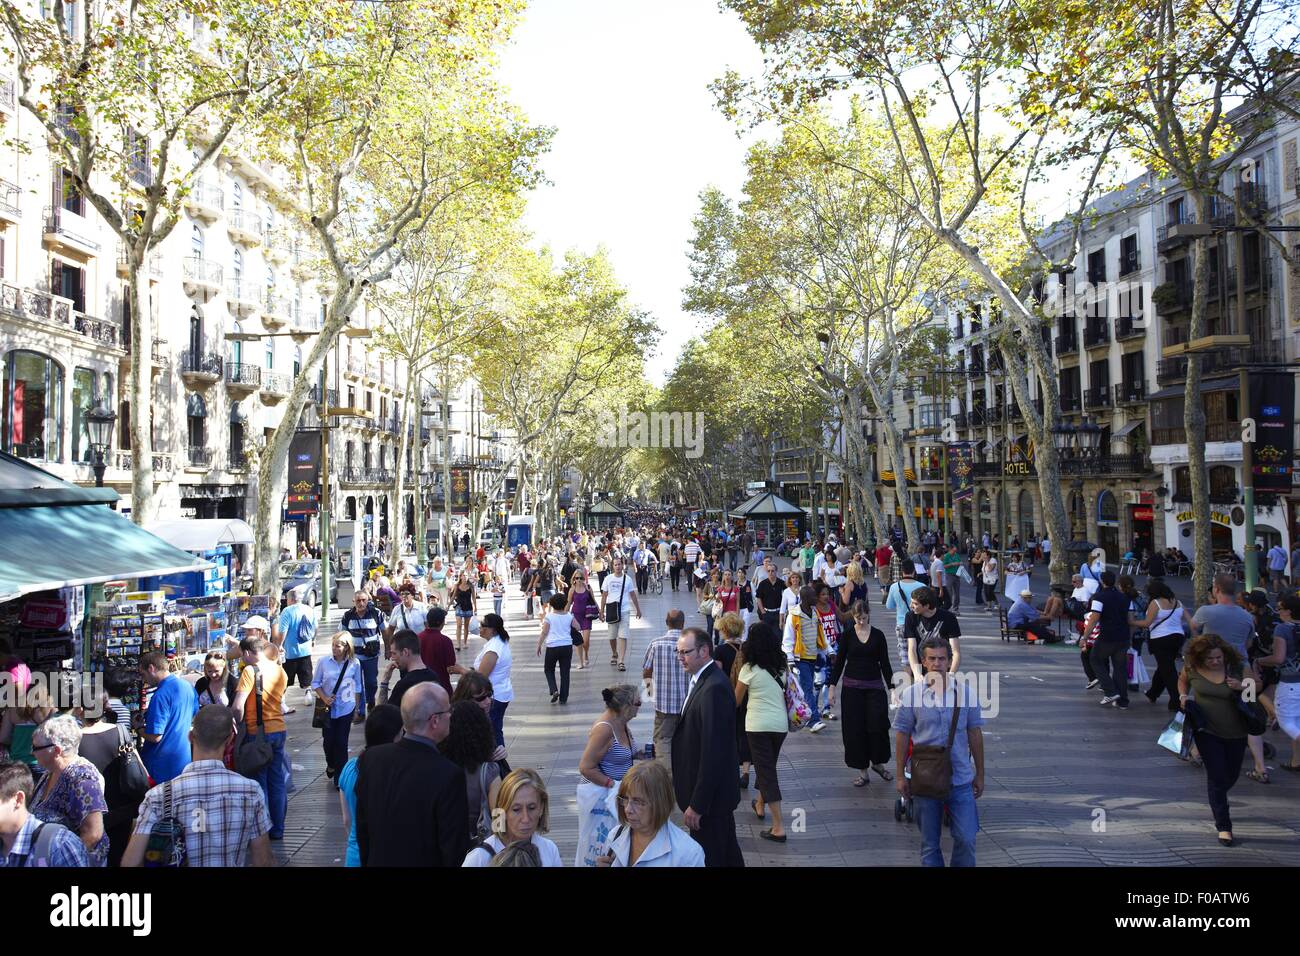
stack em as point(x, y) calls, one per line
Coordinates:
point(1054, 760)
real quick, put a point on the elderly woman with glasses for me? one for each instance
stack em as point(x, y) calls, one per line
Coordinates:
point(71, 792)
point(645, 836)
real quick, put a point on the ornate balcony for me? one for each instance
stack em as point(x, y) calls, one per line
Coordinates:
point(199, 457)
point(200, 369)
point(1097, 397)
point(1129, 464)
point(162, 464)
point(242, 378)
point(201, 277)
point(277, 245)
point(1096, 333)
point(1131, 393)
point(70, 232)
point(277, 311)
point(275, 386)
point(1067, 343)
point(1129, 327)
point(244, 227)
point(205, 201)
point(243, 297)
point(102, 331)
point(10, 202)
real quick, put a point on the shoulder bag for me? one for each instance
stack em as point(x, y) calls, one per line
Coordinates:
point(320, 716)
point(254, 750)
point(614, 612)
point(932, 764)
point(127, 778)
point(797, 711)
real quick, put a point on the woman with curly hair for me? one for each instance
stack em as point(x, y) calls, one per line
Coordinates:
point(470, 745)
point(1207, 680)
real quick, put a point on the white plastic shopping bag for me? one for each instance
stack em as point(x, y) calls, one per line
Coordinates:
point(597, 820)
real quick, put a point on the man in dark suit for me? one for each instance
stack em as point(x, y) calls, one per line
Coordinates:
point(411, 805)
point(704, 753)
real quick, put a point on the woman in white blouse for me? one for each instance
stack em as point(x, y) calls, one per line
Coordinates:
point(645, 836)
point(790, 596)
point(337, 683)
point(522, 813)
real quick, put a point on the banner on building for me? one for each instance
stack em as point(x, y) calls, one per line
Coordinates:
point(1020, 458)
point(961, 470)
point(304, 473)
point(1272, 406)
point(460, 491)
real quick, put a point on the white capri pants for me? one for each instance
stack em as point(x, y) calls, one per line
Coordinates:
point(1286, 697)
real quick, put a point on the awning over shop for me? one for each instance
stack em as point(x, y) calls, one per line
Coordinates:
point(1129, 428)
point(202, 534)
point(1209, 385)
point(605, 507)
point(63, 546)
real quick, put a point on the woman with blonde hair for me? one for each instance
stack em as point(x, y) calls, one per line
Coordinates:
point(645, 835)
point(521, 814)
point(464, 597)
point(337, 685)
point(727, 655)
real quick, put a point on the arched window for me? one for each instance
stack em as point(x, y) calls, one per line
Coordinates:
point(196, 241)
point(237, 264)
point(33, 406)
point(1107, 508)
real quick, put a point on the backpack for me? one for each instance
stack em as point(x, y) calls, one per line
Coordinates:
point(42, 842)
point(166, 846)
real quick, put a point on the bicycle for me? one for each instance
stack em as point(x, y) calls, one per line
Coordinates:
point(656, 581)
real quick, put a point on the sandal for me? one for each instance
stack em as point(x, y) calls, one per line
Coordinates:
point(1257, 776)
point(754, 806)
point(861, 781)
point(884, 773)
point(1290, 766)
point(622, 666)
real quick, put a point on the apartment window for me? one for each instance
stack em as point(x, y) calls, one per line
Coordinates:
point(370, 401)
point(85, 396)
point(1176, 212)
point(270, 355)
point(237, 264)
point(236, 196)
point(1097, 266)
point(1070, 384)
point(67, 195)
point(196, 241)
point(347, 456)
point(367, 455)
point(352, 397)
point(237, 347)
point(1131, 366)
point(137, 157)
point(1128, 255)
point(70, 282)
point(297, 366)
point(1223, 481)
point(196, 414)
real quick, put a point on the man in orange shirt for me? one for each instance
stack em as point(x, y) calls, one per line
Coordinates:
point(259, 659)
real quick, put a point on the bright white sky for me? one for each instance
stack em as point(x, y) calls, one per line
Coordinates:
point(626, 84)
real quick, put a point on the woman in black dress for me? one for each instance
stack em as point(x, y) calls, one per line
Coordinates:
point(863, 666)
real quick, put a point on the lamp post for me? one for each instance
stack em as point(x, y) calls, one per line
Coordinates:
point(100, 420)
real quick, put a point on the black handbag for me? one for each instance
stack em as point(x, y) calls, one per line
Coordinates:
point(126, 780)
point(1255, 714)
point(614, 612)
point(320, 717)
point(254, 751)
point(575, 635)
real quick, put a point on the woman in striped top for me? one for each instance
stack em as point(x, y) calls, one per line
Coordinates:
point(610, 748)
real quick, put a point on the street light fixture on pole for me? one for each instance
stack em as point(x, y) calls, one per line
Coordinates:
point(100, 420)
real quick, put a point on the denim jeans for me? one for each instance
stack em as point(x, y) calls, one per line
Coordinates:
point(807, 675)
point(498, 718)
point(370, 678)
point(496, 603)
point(965, 824)
point(272, 781)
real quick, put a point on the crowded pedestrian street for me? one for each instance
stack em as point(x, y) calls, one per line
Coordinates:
point(1067, 783)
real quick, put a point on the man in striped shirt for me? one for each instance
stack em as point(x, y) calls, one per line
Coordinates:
point(692, 553)
point(366, 626)
point(223, 814)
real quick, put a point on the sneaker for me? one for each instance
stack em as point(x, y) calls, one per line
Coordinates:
point(309, 697)
point(1108, 700)
point(1092, 684)
point(1122, 705)
point(816, 727)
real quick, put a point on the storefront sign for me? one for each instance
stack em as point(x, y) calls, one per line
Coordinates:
point(1218, 517)
point(961, 470)
point(304, 460)
point(1272, 405)
point(1143, 514)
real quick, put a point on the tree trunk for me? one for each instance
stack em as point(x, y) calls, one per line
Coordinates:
point(142, 486)
point(900, 483)
point(403, 443)
point(445, 452)
point(1194, 418)
point(274, 459)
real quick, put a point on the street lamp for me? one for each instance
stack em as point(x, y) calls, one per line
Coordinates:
point(100, 420)
point(1062, 437)
point(1089, 434)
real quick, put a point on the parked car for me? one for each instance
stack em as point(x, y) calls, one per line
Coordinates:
point(305, 574)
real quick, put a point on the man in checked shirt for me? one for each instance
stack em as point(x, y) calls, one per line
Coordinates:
point(662, 666)
point(224, 814)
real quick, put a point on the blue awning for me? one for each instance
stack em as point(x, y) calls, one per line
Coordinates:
point(44, 548)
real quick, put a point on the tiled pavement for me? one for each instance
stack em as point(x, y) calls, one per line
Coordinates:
point(1053, 759)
